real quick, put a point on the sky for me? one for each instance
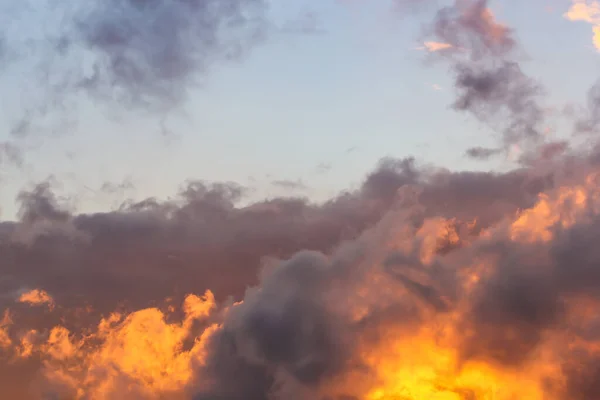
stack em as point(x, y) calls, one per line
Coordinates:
point(305, 112)
point(132, 265)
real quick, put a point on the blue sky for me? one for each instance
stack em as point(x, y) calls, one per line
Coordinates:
point(320, 108)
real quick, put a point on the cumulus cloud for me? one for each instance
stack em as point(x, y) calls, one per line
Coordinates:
point(294, 332)
point(468, 272)
point(422, 282)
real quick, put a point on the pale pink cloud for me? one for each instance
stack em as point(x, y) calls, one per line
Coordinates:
point(583, 10)
point(495, 30)
point(436, 46)
point(586, 11)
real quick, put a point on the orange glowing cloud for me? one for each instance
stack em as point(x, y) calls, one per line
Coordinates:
point(586, 11)
point(564, 209)
point(5, 340)
point(139, 355)
point(37, 297)
point(427, 367)
point(495, 30)
point(416, 352)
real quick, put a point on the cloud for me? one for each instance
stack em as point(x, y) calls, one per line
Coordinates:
point(481, 153)
point(586, 11)
point(11, 154)
point(471, 25)
point(589, 122)
point(489, 81)
point(145, 54)
point(152, 52)
point(423, 282)
point(122, 56)
point(290, 185)
point(498, 262)
point(436, 46)
point(488, 93)
point(120, 276)
point(36, 297)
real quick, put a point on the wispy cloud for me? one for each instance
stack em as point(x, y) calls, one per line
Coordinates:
point(289, 184)
point(488, 78)
point(434, 46)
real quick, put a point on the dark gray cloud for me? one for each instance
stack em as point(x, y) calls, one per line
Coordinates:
point(481, 153)
point(200, 229)
point(292, 335)
point(11, 154)
point(501, 92)
point(286, 326)
point(489, 81)
point(152, 52)
point(289, 184)
point(301, 268)
point(590, 122)
point(545, 152)
point(527, 295)
point(142, 56)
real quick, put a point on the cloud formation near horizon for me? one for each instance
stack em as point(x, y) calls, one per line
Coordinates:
point(289, 296)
